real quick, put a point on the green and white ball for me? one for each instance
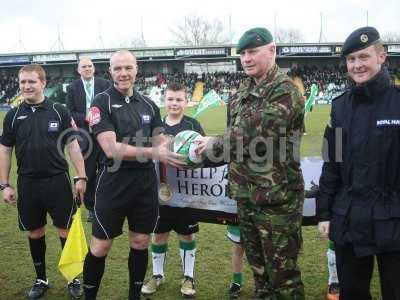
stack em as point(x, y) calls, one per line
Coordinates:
point(184, 144)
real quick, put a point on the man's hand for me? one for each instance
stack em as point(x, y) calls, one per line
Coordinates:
point(203, 143)
point(80, 189)
point(323, 228)
point(163, 154)
point(9, 195)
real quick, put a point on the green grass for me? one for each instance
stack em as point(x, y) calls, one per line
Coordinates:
point(213, 256)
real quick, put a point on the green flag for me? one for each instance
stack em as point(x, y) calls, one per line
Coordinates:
point(311, 99)
point(211, 99)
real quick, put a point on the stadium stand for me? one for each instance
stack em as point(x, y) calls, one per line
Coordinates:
point(8, 87)
point(331, 80)
point(327, 77)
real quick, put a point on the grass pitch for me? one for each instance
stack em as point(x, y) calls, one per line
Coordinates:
point(212, 272)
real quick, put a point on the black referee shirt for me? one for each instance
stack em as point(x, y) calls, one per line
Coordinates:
point(187, 123)
point(39, 134)
point(134, 120)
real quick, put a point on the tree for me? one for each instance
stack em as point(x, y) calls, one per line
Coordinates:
point(391, 37)
point(288, 35)
point(197, 31)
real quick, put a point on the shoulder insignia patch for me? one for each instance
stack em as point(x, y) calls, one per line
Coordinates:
point(94, 116)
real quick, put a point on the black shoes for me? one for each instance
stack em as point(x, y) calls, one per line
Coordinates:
point(38, 289)
point(234, 290)
point(75, 289)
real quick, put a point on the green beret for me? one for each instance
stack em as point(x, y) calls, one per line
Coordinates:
point(359, 39)
point(253, 38)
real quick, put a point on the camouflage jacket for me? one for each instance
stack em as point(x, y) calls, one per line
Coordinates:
point(263, 138)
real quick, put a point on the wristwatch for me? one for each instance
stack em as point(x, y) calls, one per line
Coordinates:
point(4, 185)
point(76, 179)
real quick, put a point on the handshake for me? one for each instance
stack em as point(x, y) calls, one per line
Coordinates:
point(190, 146)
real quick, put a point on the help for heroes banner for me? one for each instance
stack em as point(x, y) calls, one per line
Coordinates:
point(204, 190)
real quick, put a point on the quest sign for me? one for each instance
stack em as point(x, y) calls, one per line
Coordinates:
point(201, 52)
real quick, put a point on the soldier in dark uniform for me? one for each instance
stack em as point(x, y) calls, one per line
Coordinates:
point(129, 130)
point(359, 200)
point(266, 118)
point(39, 130)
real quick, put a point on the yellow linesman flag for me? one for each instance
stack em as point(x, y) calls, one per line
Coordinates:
point(75, 249)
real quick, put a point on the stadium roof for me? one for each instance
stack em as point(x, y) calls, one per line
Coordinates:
point(181, 53)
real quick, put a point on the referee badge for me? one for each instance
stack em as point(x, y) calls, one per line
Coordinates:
point(146, 119)
point(53, 126)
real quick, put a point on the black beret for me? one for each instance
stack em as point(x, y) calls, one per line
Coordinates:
point(253, 38)
point(359, 39)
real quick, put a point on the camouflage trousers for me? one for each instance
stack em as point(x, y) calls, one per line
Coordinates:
point(272, 244)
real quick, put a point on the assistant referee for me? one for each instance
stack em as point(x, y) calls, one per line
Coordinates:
point(39, 130)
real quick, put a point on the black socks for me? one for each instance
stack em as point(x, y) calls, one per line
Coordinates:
point(93, 271)
point(38, 253)
point(137, 265)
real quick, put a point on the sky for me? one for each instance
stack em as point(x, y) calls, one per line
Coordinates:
point(32, 26)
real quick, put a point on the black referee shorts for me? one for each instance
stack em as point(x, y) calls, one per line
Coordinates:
point(127, 193)
point(39, 196)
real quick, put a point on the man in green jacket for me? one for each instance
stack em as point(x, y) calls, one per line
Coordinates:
point(261, 146)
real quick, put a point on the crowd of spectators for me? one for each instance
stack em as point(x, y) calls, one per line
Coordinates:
point(330, 80)
point(222, 81)
point(327, 78)
point(8, 86)
point(145, 82)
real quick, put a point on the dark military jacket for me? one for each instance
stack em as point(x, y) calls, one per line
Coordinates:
point(360, 180)
point(263, 139)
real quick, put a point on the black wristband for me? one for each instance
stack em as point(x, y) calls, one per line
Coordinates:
point(76, 179)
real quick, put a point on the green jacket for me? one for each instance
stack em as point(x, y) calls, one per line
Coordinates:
point(263, 143)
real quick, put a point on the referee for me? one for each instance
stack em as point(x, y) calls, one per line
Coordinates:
point(39, 130)
point(129, 130)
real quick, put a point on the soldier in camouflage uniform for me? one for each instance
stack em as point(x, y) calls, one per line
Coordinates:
point(262, 147)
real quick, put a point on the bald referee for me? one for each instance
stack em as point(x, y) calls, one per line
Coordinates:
point(128, 128)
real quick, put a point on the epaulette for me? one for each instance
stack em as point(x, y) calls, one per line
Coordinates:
point(339, 95)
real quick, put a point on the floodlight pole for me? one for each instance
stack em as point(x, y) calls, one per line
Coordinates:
point(141, 29)
point(321, 32)
point(100, 37)
point(58, 43)
point(20, 45)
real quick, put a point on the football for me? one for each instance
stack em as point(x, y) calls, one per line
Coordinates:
point(184, 143)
